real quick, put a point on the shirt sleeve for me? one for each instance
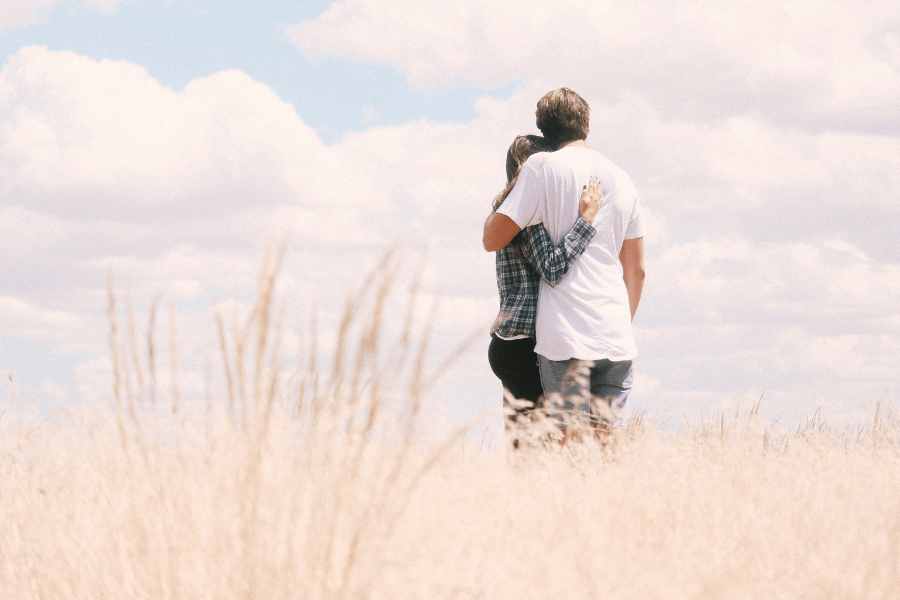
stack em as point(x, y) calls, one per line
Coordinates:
point(553, 262)
point(636, 224)
point(525, 198)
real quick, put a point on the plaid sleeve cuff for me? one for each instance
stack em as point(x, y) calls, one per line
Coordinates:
point(579, 236)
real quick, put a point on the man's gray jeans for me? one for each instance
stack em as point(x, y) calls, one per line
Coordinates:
point(586, 391)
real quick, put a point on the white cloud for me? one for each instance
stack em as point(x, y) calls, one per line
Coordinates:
point(815, 63)
point(23, 319)
point(55, 391)
point(16, 13)
point(105, 138)
point(771, 254)
point(823, 285)
point(105, 170)
point(808, 323)
point(19, 13)
point(743, 176)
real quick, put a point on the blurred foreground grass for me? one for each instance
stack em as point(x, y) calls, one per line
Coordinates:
point(331, 484)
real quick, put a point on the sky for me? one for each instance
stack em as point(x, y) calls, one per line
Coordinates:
point(160, 143)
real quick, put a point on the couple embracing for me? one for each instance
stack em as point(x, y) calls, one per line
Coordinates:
point(568, 234)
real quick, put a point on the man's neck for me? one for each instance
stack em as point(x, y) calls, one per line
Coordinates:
point(575, 144)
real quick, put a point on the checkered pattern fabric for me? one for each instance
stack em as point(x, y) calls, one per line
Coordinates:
point(519, 281)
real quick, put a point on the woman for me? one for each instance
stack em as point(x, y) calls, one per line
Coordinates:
point(530, 257)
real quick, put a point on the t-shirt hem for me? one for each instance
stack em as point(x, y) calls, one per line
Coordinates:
point(509, 338)
point(589, 356)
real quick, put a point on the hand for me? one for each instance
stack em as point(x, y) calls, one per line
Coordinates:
point(591, 200)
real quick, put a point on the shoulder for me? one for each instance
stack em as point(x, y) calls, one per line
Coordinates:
point(615, 175)
point(536, 162)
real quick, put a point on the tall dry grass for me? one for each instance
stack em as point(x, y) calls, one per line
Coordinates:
point(318, 483)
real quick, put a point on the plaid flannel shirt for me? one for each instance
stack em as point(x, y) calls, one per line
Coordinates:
point(519, 281)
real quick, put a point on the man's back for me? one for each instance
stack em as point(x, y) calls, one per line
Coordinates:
point(587, 314)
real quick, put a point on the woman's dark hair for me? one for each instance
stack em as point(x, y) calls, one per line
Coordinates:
point(519, 151)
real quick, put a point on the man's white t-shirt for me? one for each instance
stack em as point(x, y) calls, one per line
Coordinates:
point(586, 315)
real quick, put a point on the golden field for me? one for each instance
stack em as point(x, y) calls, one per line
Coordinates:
point(330, 483)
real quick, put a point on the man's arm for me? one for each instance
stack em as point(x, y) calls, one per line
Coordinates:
point(632, 259)
point(499, 230)
point(520, 206)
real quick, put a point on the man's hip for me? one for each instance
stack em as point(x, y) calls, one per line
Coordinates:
point(586, 391)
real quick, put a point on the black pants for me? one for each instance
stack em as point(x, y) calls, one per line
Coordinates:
point(515, 364)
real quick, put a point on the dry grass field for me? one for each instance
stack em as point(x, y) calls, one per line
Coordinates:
point(331, 484)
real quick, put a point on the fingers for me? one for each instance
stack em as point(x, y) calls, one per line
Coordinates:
point(592, 192)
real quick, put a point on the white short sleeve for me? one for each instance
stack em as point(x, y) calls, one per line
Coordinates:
point(636, 224)
point(524, 200)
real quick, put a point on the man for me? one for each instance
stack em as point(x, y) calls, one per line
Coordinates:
point(584, 338)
